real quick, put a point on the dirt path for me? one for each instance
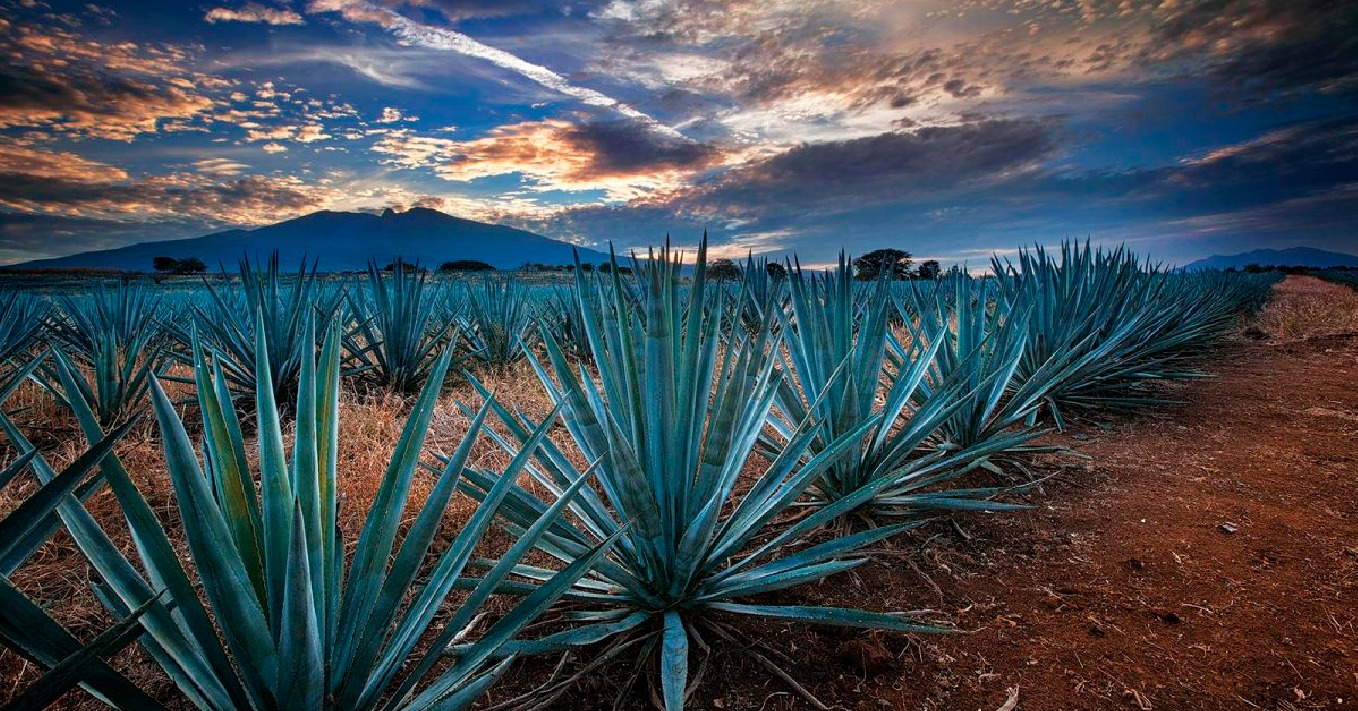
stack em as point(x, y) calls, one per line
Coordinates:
point(1205, 557)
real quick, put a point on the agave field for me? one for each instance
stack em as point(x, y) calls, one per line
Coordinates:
point(707, 444)
point(1347, 277)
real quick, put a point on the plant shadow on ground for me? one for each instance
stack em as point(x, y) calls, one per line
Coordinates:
point(1122, 588)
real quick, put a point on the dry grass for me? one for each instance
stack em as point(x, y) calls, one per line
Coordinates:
point(370, 426)
point(1307, 307)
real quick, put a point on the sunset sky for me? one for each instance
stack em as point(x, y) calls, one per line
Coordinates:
point(953, 129)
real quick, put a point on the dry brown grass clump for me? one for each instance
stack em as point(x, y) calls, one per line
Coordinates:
point(1308, 307)
point(370, 426)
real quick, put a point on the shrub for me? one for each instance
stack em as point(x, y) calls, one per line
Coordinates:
point(465, 265)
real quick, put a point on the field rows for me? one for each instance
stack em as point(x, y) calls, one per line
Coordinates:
point(692, 453)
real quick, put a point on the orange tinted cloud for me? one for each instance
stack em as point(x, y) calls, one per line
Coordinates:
point(254, 12)
point(624, 159)
point(24, 161)
point(67, 185)
point(62, 83)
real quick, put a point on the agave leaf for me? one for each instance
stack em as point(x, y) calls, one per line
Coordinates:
point(669, 460)
point(196, 669)
point(28, 630)
point(301, 672)
point(674, 661)
point(377, 538)
point(530, 608)
point(243, 620)
point(30, 524)
point(831, 616)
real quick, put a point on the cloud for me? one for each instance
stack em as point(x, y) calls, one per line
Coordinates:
point(930, 156)
point(1291, 46)
point(223, 167)
point(62, 184)
point(949, 125)
point(58, 82)
point(403, 149)
point(391, 114)
point(55, 166)
point(394, 68)
point(958, 193)
point(112, 107)
point(449, 40)
point(306, 133)
point(892, 167)
point(858, 193)
point(624, 147)
point(254, 12)
point(624, 159)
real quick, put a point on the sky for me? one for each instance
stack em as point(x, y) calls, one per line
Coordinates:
point(955, 129)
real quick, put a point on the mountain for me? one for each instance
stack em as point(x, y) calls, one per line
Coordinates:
point(1294, 257)
point(344, 241)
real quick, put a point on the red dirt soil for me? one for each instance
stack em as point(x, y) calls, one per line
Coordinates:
point(1127, 588)
point(1204, 557)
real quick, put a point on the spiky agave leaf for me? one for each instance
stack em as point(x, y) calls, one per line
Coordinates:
point(847, 371)
point(268, 300)
point(1111, 323)
point(28, 629)
point(562, 318)
point(117, 334)
point(763, 295)
point(671, 420)
point(21, 321)
point(983, 341)
point(401, 324)
point(498, 317)
point(297, 625)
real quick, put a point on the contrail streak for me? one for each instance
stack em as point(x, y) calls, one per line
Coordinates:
point(445, 39)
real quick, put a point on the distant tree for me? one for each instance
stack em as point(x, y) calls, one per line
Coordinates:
point(466, 265)
point(190, 265)
point(880, 262)
point(405, 267)
point(776, 270)
point(722, 270)
point(586, 267)
point(607, 268)
point(164, 265)
point(1255, 269)
point(929, 269)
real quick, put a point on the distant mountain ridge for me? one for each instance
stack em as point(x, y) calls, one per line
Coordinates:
point(1293, 257)
point(344, 241)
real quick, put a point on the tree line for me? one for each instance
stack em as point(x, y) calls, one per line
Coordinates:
point(868, 267)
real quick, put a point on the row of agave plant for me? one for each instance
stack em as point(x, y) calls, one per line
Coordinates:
point(1346, 277)
point(393, 327)
point(738, 438)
